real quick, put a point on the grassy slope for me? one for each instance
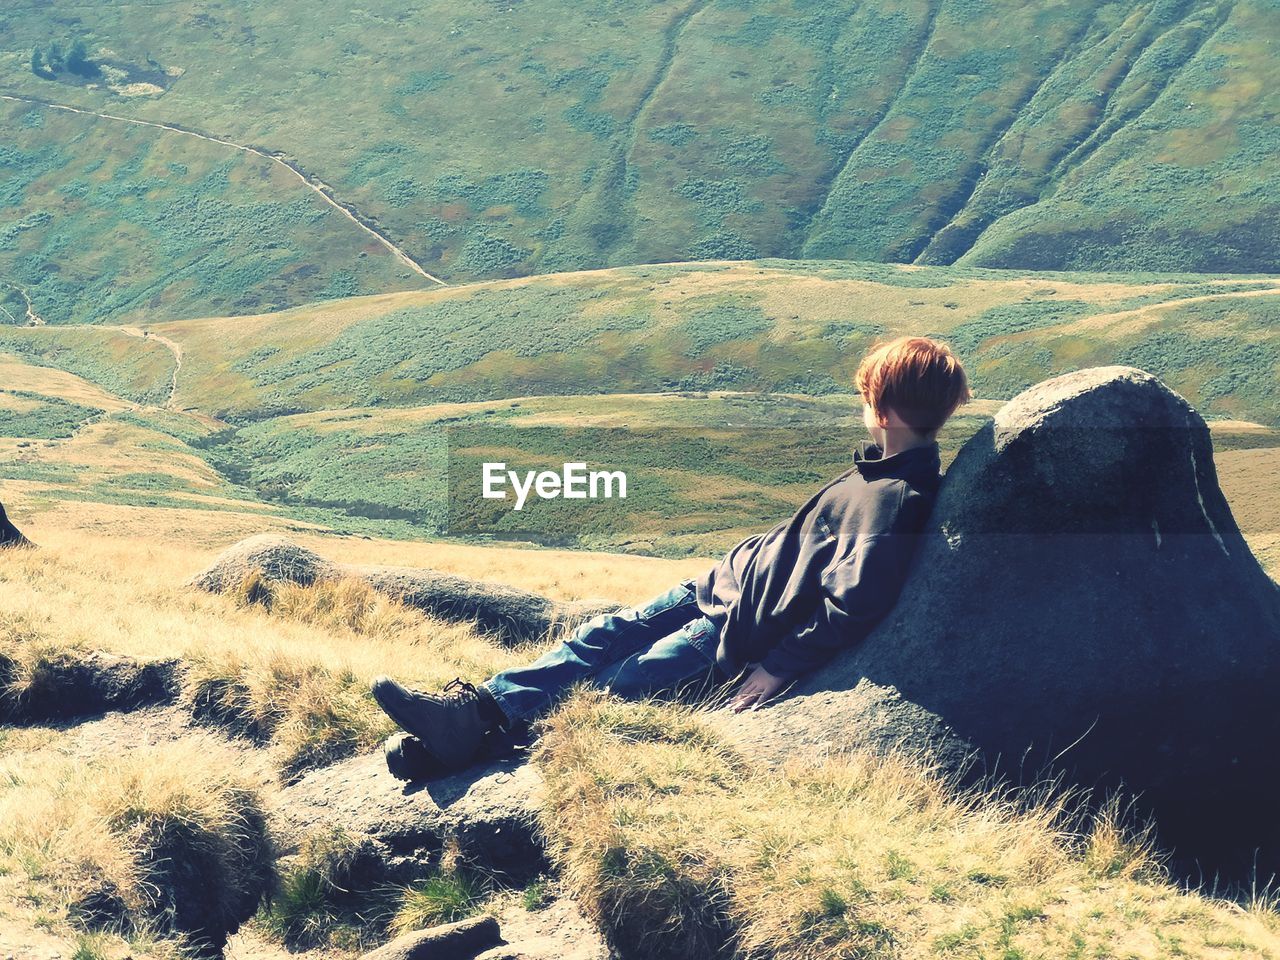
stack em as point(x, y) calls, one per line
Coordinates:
point(404, 393)
point(114, 222)
point(132, 368)
point(788, 327)
point(550, 136)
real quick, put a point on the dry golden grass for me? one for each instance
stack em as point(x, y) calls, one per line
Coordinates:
point(678, 845)
point(299, 683)
point(175, 543)
point(16, 375)
point(93, 841)
point(295, 678)
point(111, 449)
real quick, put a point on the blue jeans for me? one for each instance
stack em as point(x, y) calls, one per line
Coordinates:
point(665, 646)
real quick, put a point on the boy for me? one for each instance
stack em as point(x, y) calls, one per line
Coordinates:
point(776, 606)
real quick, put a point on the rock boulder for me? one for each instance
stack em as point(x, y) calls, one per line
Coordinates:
point(488, 814)
point(11, 536)
point(1082, 602)
point(508, 614)
point(452, 941)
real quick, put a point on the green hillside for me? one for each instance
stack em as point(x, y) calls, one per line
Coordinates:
point(493, 140)
point(766, 327)
point(777, 327)
point(109, 221)
point(725, 387)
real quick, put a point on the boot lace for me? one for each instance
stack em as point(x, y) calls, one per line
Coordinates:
point(458, 689)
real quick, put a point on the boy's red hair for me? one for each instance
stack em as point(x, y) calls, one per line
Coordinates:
point(919, 379)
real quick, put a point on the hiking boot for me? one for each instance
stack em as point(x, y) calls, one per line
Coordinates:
point(407, 758)
point(450, 726)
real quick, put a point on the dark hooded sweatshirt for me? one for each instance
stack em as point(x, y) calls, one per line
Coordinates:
point(816, 584)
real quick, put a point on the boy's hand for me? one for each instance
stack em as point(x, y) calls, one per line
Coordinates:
point(759, 686)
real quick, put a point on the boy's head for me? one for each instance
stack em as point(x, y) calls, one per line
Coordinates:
point(911, 383)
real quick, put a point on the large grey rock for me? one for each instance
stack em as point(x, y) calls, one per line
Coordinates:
point(11, 536)
point(1083, 602)
point(278, 559)
point(488, 814)
point(507, 613)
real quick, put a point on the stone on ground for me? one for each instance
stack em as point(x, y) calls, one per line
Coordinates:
point(557, 931)
point(452, 941)
point(509, 614)
point(488, 814)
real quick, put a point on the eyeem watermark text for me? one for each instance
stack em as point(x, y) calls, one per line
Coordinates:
point(573, 482)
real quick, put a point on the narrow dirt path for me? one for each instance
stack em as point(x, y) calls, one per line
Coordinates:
point(1109, 319)
point(33, 319)
point(311, 181)
point(172, 346)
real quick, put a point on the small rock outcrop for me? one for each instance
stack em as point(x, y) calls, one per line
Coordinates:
point(506, 613)
point(487, 815)
point(11, 536)
point(1082, 602)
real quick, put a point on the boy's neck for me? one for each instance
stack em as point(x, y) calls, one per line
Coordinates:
point(895, 441)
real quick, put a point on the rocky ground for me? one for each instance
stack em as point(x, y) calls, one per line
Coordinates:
point(487, 816)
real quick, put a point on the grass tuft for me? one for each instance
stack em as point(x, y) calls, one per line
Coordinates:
point(309, 714)
point(654, 828)
point(447, 896)
point(330, 894)
point(169, 839)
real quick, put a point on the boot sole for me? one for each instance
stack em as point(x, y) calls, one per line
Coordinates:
point(399, 765)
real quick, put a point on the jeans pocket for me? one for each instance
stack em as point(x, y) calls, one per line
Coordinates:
point(704, 636)
point(675, 597)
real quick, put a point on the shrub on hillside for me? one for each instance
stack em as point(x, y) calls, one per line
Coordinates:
point(715, 325)
point(484, 255)
point(725, 245)
point(675, 134)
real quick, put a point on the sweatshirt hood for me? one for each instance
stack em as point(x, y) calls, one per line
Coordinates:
point(916, 465)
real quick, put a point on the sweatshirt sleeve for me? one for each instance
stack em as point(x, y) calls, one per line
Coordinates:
point(857, 592)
